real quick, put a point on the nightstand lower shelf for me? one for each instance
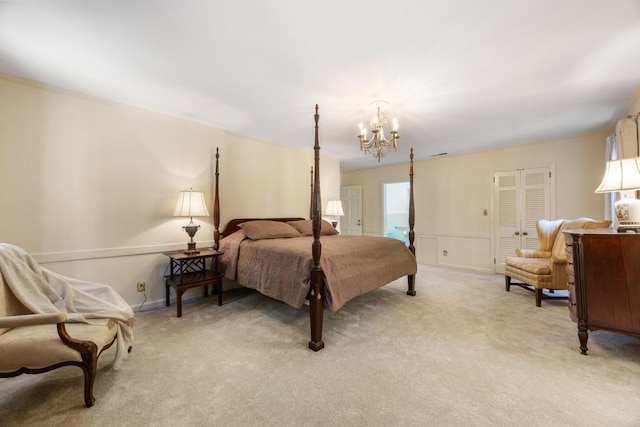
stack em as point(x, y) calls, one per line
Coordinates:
point(184, 281)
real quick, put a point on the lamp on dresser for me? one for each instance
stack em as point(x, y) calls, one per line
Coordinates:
point(623, 175)
point(191, 203)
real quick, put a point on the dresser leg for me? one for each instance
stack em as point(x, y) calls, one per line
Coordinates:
point(583, 336)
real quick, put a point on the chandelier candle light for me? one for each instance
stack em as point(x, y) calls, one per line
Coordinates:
point(378, 145)
point(191, 203)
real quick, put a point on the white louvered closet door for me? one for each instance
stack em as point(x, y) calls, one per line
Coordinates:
point(521, 198)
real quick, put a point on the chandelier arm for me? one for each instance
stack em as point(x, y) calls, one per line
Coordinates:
point(366, 144)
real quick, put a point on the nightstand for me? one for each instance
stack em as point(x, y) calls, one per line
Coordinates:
point(189, 271)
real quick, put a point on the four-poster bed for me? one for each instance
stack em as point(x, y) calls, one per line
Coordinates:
point(272, 256)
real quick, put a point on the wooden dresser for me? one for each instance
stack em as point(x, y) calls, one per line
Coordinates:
point(603, 271)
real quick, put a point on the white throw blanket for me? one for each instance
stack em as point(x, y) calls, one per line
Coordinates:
point(43, 291)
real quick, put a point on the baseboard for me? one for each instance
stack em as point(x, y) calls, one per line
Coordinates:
point(466, 267)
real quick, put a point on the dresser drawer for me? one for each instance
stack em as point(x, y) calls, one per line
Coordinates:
point(571, 284)
point(571, 278)
point(573, 307)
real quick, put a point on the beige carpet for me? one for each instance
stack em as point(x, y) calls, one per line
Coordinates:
point(463, 352)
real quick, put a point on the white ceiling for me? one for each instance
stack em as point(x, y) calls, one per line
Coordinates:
point(460, 75)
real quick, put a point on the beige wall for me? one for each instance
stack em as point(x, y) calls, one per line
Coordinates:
point(633, 107)
point(90, 186)
point(452, 193)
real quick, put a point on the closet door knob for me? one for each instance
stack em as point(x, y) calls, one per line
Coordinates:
point(524, 233)
point(517, 233)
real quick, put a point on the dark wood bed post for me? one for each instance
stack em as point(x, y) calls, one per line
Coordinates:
point(316, 293)
point(216, 208)
point(311, 198)
point(411, 279)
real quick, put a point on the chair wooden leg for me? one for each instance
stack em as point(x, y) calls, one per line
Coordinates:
point(90, 370)
point(538, 297)
point(89, 354)
point(507, 283)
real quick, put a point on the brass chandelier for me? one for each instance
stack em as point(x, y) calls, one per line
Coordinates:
point(379, 145)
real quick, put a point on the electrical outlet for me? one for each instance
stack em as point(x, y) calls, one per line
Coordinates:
point(140, 286)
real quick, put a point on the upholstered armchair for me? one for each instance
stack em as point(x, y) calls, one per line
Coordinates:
point(36, 343)
point(544, 268)
point(32, 343)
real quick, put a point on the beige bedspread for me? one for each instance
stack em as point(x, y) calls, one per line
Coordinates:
point(280, 268)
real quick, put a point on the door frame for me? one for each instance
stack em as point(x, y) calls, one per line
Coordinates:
point(384, 201)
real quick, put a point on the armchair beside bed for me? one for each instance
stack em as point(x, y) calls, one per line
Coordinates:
point(545, 268)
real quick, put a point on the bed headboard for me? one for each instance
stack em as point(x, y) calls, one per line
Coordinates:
point(233, 225)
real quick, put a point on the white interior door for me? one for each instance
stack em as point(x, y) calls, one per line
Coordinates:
point(521, 198)
point(507, 208)
point(351, 223)
point(535, 187)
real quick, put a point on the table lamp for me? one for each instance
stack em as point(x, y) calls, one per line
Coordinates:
point(191, 203)
point(624, 175)
point(334, 208)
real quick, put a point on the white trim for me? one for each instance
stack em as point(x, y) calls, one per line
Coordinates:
point(463, 235)
point(50, 257)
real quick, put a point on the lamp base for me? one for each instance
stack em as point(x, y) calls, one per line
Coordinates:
point(191, 249)
point(628, 213)
point(628, 229)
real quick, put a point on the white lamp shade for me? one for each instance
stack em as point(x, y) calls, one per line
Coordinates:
point(621, 175)
point(191, 203)
point(334, 208)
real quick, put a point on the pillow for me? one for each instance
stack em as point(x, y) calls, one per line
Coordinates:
point(257, 230)
point(305, 227)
